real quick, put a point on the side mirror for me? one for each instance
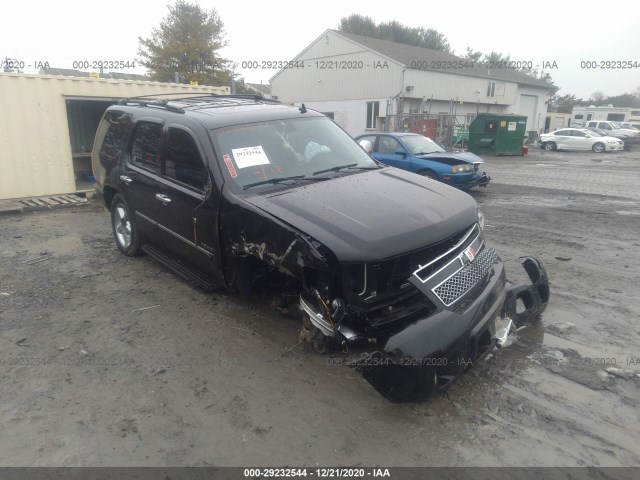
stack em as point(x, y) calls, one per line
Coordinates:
point(401, 151)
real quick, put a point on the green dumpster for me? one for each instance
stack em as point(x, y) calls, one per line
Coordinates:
point(497, 134)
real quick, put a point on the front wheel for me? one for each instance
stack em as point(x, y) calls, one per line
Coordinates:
point(429, 174)
point(598, 147)
point(550, 146)
point(124, 229)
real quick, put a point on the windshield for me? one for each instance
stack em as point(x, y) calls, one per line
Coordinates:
point(616, 125)
point(267, 153)
point(418, 145)
point(590, 133)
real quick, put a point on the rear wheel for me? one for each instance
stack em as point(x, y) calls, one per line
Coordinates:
point(598, 147)
point(125, 232)
point(550, 146)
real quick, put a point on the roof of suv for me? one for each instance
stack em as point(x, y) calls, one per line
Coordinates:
point(215, 111)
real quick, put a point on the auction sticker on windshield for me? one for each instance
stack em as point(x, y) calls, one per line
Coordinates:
point(250, 156)
point(230, 167)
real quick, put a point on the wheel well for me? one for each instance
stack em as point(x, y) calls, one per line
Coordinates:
point(427, 170)
point(108, 194)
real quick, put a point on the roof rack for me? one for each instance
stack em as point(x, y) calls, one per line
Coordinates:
point(197, 98)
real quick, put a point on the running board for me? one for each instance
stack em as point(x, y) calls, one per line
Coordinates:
point(183, 271)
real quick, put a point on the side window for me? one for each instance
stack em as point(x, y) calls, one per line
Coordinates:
point(112, 134)
point(605, 126)
point(145, 147)
point(388, 145)
point(183, 162)
point(368, 143)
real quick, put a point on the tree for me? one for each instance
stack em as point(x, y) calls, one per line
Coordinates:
point(563, 103)
point(187, 43)
point(11, 65)
point(496, 58)
point(434, 40)
point(473, 55)
point(242, 88)
point(395, 31)
point(359, 25)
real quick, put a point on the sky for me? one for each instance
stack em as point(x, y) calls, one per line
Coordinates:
point(538, 32)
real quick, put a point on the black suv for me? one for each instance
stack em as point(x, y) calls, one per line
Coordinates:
point(386, 265)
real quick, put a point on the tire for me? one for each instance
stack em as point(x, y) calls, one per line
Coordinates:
point(598, 147)
point(124, 229)
point(550, 146)
point(429, 174)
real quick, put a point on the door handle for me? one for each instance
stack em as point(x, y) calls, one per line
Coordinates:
point(163, 198)
point(126, 180)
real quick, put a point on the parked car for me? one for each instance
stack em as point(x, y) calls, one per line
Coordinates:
point(615, 129)
point(419, 154)
point(228, 192)
point(579, 139)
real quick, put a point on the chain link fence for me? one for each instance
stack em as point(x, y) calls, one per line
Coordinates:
point(451, 131)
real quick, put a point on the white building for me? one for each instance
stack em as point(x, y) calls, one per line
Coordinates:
point(362, 82)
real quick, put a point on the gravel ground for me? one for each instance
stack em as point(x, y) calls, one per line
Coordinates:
point(112, 361)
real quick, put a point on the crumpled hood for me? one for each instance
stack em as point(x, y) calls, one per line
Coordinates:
point(467, 157)
point(373, 215)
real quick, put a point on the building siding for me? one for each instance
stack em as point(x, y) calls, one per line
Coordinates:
point(444, 92)
point(321, 84)
point(447, 86)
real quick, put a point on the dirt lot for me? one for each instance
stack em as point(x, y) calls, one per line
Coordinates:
point(107, 360)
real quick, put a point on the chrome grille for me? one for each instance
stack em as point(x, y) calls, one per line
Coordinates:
point(464, 279)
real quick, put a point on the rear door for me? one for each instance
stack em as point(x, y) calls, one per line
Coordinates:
point(563, 139)
point(188, 222)
point(139, 174)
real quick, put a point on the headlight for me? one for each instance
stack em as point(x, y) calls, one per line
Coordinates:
point(480, 219)
point(462, 168)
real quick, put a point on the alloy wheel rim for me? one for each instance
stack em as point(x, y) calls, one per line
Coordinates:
point(122, 226)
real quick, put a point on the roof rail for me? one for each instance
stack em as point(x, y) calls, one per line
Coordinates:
point(146, 103)
point(214, 97)
point(198, 95)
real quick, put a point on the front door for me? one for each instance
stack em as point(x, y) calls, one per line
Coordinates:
point(188, 221)
point(386, 152)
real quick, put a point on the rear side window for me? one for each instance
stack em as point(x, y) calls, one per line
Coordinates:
point(183, 162)
point(113, 134)
point(145, 147)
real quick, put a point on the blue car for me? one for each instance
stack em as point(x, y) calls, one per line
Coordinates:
point(419, 154)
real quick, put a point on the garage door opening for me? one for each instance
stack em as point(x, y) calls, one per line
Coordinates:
point(83, 116)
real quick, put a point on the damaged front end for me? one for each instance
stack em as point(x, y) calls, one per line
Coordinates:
point(413, 324)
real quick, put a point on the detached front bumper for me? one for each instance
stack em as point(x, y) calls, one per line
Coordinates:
point(432, 352)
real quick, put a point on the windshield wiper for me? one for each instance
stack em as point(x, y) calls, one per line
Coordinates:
point(341, 167)
point(273, 180)
point(282, 179)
